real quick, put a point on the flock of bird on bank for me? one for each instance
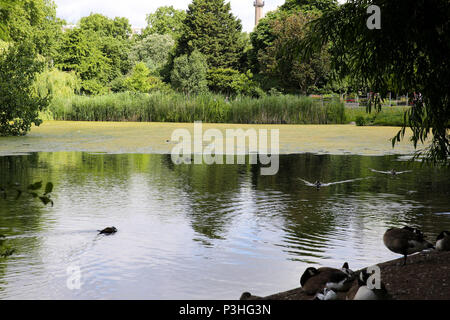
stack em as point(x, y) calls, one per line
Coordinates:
point(326, 283)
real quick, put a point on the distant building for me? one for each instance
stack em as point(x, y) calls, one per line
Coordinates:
point(259, 13)
point(68, 27)
point(136, 31)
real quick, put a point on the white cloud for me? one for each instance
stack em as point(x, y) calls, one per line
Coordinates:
point(136, 10)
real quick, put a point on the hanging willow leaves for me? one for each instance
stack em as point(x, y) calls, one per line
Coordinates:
point(408, 54)
point(35, 186)
point(46, 200)
point(32, 191)
point(48, 188)
point(19, 193)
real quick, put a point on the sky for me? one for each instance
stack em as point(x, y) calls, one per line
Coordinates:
point(136, 10)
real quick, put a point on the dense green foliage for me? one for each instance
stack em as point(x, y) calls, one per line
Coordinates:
point(303, 47)
point(154, 50)
point(165, 21)
point(56, 83)
point(211, 28)
point(280, 63)
point(273, 57)
point(309, 5)
point(408, 53)
point(19, 104)
point(231, 83)
point(189, 73)
point(97, 51)
point(205, 107)
point(386, 116)
point(31, 20)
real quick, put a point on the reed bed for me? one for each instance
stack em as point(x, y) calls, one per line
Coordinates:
point(209, 108)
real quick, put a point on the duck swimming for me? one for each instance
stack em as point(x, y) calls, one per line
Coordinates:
point(405, 241)
point(443, 241)
point(108, 230)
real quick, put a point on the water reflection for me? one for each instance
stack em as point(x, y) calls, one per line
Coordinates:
point(197, 231)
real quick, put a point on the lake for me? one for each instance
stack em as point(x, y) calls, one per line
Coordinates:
point(203, 232)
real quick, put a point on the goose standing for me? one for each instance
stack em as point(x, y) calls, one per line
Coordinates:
point(405, 241)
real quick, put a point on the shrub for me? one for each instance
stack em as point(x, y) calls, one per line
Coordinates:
point(360, 121)
point(189, 73)
point(93, 87)
point(138, 81)
point(19, 103)
point(231, 82)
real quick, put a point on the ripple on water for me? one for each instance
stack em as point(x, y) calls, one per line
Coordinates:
point(193, 232)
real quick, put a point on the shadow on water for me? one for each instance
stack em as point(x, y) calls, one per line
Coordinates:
point(185, 229)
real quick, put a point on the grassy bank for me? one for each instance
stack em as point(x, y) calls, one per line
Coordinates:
point(210, 108)
point(389, 116)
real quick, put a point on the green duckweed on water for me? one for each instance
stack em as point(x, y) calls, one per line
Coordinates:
point(143, 137)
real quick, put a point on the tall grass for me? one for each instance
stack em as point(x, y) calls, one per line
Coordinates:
point(174, 107)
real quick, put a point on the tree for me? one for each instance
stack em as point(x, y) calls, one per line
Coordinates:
point(281, 62)
point(309, 5)
point(263, 37)
point(408, 54)
point(232, 82)
point(113, 39)
point(267, 39)
point(54, 82)
point(212, 29)
point(81, 52)
point(31, 20)
point(138, 81)
point(189, 73)
point(19, 105)
point(154, 50)
point(118, 28)
point(165, 20)
point(98, 51)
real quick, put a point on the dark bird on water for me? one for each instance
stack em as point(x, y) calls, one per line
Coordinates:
point(405, 241)
point(108, 230)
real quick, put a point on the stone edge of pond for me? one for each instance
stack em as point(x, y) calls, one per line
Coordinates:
point(426, 276)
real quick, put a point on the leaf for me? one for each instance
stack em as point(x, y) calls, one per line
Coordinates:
point(48, 188)
point(46, 200)
point(35, 186)
point(34, 194)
